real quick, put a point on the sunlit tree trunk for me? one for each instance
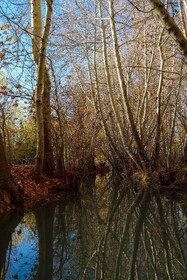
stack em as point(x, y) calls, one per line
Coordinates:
point(39, 46)
point(140, 148)
point(170, 25)
point(185, 6)
point(112, 97)
point(97, 100)
point(182, 16)
point(156, 151)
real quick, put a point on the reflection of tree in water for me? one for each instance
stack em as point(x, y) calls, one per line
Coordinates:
point(125, 235)
point(8, 223)
point(111, 232)
point(77, 229)
point(140, 242)
point(44, 220)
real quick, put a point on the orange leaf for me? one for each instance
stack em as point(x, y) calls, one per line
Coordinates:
point(4, 27)
point(2, 55)
point(18, 86)
point(8, 38)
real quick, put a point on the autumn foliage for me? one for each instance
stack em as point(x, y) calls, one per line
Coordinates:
point(34, 191)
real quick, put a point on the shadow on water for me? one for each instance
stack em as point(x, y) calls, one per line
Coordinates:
point(104, 231)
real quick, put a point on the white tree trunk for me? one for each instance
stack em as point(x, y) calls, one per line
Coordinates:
point(140, 148)
point(170, 25)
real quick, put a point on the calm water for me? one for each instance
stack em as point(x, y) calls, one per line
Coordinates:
point(105, 231)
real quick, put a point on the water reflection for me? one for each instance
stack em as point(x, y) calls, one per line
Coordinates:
point(103, 232)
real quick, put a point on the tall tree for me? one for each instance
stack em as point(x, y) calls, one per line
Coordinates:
point(44, 156)
point(140, 148)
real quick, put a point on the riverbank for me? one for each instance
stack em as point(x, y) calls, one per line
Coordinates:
point(33, 192)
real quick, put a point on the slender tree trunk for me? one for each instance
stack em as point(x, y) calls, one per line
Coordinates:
point(48, 151)
point(156, 151)
point(172, 133)
point(140, 148)
point(60, 117)
point(97, 98)
point(170, 25)
point(184, 124)
point(182, 16)
point(112, 97)
point(40, 126)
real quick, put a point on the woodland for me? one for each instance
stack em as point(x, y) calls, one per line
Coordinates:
point(91, 86)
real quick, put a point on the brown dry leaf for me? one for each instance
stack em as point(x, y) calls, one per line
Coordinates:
point(8, 38)
point(18, 86)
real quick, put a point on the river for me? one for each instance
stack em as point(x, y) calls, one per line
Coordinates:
point(108, 230)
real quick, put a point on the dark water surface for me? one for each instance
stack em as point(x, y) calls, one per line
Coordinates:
point(104, 231)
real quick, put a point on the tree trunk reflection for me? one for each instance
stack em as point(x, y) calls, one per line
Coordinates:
point(105, 230)
point(8, 223)
point(44, 219)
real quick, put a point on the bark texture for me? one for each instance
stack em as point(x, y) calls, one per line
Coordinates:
point(43, 85)
point(10, 191)
point(170, 25)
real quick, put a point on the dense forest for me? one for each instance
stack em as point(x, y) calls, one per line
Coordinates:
point(89, 84)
